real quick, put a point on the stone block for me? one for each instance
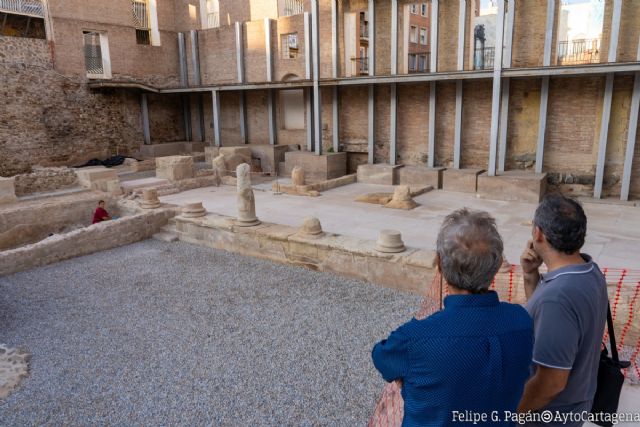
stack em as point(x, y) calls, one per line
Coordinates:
point(515, 186)
point(235, 156)
point(317, 168)
point(88, 176)
point(174, 168)
point(382, 174)
point(7, 190)
point(211, 153)
point(170, 149)
point(461, 180)
point(271, 156)
point(420, 176)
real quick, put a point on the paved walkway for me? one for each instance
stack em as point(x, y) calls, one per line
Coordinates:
point(613, 237)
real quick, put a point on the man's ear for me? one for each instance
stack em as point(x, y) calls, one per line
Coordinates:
point(538, 235)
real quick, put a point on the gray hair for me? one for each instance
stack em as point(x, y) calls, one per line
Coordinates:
point(470, 250)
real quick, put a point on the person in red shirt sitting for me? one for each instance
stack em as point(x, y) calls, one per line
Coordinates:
point(101, 214)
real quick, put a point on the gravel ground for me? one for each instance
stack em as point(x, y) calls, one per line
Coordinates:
point(175, 334)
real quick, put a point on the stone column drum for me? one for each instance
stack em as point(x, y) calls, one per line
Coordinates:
point(390, 241)
point(150, 199)
point(193, 210)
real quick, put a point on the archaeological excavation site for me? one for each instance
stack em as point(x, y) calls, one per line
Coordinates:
point(212, 210)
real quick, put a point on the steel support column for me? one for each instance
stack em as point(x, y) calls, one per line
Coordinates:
point(268, 49)
point(271, 111)
point(144, 107)
point(608, 96)
point(497, 90)
point(239, 52)
point(433, 67)
point(308, 75)
point(544, 89)
point(504, 108)
point(393, 128)
point(457, 140)
point(215, 97)
point(244, 135)
point(631, 135)
point(372, 37)
point(371, 124)
point(317, 106)
point(335, 120)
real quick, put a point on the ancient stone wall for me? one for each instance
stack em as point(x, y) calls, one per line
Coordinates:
point(44, 179)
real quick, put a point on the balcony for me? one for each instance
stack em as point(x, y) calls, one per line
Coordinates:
point(140, 15)
point(360, 66)
point(580, 51)
point(483, 58)
point(419, 62)
point(364, 31)
point(293, 7)
point(213, 20)
point(33, 8)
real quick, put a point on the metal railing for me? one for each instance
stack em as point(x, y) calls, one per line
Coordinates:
point(422, 63)
point(581, 51)
point(213, 19)
point(364, 30)
point(360, 65)
point(483, 58)
point(93, 54)
point(140, 15)
point(23, 7)
point(293, 7)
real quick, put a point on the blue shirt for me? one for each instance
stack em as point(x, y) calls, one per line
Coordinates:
point(569, 310)
point(474, 356)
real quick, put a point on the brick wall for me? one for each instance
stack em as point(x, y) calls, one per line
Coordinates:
point(64, 124)
point(476, 123)
point(528, 33)
point(254, 52)
point(629, 31)
point(448, 35)
point(412, 134)
point(445, 122)
point(218, 63)
point(522, 131)
point(285, 68)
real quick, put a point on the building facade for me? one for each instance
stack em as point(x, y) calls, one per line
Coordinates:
point(560, 96)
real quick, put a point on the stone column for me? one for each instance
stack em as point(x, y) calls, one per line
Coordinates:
point(246, 208)
point(243, 174)
point(390, 241)
point(193, 210)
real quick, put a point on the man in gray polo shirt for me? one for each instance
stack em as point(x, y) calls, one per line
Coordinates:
point(569, 310)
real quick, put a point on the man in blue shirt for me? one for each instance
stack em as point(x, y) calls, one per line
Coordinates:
point(468, 362)
point(569, 310)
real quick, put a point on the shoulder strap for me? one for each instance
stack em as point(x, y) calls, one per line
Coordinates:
point(612, 335)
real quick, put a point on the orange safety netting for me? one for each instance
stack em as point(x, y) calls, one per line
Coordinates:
point(624, 292)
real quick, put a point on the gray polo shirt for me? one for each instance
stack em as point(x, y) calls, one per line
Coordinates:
point(569, 311)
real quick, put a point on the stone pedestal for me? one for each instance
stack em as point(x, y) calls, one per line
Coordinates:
point(382, 174)
point(317, 168)
point(297, 176)
point(170, 149)
point(99, 178)
point(515, 186)
point(7, 190)
point(193, 210)
point(246, 209)
point(271, 156)
point(311, 228)
point(174, 168)
point(150, 199)
point(401, 199)
point(462, 180)
point(390, 241)
point(420, 176)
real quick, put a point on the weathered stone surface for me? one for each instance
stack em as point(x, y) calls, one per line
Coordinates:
point(14, 367)
point(42, 179)
point(7, 190)
point(420, 176)
point(150, 199)
point(375, 198)
point(211, 153)
point(311, 227)
point(171, 149)
point(193, 210)
point(246, 207)
point(401, 199)
point(83, 241)
point(317, 168)
point(297, 175)
point(234, 156)
point(461, 180)
point(144, 165)
point(243, 177)
point(515, 186)
point(378, 174)
point(90, 175)
point(174, 168)
point(390, 241)
point(220, 166)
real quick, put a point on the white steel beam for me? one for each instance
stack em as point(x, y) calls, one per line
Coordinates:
point(267, 48)
point(146, 130)
point(215, 98)
point(544, 89)
point(372, 37)
point(317, 106)
point(631, 135)
point(394, 37)
point(239, 52)
point(393, 132)
point(335, 121)
point(371, 124)
point(504, 109)
point(495, 99)
point(608, 96)
point(244, 135)
point(457, 139)
point(431, 161)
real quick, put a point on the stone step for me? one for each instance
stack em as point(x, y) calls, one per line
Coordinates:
point(166, 236)
point(144, 183)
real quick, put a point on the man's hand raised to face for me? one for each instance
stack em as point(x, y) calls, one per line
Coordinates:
point(530, 261)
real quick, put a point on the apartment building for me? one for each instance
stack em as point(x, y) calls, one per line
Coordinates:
point(339, 78)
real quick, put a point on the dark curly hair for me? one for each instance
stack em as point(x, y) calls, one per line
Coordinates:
point(563, 223)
